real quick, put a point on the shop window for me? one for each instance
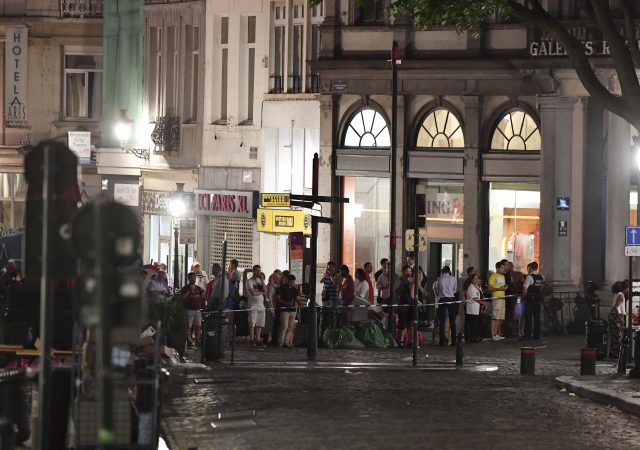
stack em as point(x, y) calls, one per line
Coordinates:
point(514, 224)
point(366, 221)
point(516, 131)
point(440, 129)
point(367, 129)
point(82, 85)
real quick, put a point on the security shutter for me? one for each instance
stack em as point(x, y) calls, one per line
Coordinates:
point(239, 240)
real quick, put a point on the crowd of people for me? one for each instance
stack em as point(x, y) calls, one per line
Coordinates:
point(451, 307)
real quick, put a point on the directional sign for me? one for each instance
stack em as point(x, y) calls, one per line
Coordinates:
point(275, 200)
point(632, 236)
point(283, 221)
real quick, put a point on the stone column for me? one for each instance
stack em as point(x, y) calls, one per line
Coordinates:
point(472, 184)
point(401, 181)
point(330, 30)
point(327, 233)
point(556, 181)
point(619, 164)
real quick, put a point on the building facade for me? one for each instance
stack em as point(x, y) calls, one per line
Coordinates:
point(51, 82)
point(501, 152)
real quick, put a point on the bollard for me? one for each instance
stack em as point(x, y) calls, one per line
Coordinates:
point(587, 361)
point(527, 361)
point(459, 350)
point(635, 372)
point(623, 356)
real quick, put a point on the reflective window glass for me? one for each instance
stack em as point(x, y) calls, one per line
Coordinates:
point(516, 131)
point(440, 129)
point(367, 129)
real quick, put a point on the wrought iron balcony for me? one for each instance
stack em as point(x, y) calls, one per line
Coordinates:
point(166, 134)
point(81, 8)
point(277, 82)
point(295, 84)
point(313, 83)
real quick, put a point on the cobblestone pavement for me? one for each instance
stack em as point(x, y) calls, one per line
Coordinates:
point(387, 409)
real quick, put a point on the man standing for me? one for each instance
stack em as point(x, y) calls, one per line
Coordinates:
point(217, 288)
point(368, 269)
point(383, 264)
point(257, 290)
point(193, 301)
point(447, 290)
point(201, 275)
point(532, 290)
point(287, 297)
point(383, 284)
point(497, 288)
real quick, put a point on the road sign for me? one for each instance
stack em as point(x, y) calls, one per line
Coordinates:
point(283, 221)
point(188, 231)
point(275, 200)
point(409, 244)
point(632, 235)
point(632, 250)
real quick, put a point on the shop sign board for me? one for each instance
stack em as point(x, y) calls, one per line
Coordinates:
point(187, 231)
point(283, 221)
point(155, 202)
point(15, 76)
point(225, 203)
point(275, 200)
point(296, 255)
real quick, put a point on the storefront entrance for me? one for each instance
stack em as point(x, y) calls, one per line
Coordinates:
point(440, 254)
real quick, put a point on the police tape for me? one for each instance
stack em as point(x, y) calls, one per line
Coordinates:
point(368, 306)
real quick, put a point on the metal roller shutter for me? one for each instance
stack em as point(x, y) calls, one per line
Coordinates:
point(239, 240)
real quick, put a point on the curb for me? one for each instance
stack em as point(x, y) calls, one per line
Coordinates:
point(604, 396)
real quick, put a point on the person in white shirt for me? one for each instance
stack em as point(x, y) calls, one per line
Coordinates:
point(447, 304)
point(361, 297)
point(472, 306)
point(201, 276)
point(257, 291)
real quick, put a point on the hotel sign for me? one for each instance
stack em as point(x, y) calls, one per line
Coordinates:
point(15, 76)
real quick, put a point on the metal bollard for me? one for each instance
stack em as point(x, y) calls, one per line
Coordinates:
point(623, 356)
point(587, 361)
point(635, 372)
point(527, 361)
point(459, 350)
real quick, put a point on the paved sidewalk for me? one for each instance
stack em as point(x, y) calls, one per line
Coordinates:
point(614, 390)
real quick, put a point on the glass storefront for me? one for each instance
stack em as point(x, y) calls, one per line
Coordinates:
point(13, 191)
point(365, 232)
point(514, 223)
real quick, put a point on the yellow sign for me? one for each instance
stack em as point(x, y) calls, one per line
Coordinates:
point(283, 221)
point(409, 239)
point(275, 200)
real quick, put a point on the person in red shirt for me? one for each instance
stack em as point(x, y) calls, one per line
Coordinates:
point(347, 286)
point(193, 301)
point(368, 270)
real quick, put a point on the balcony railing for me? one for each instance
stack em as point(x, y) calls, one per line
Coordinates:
point(295, 84)
point(166, 134)
point(313, 83)
point(81, 8)
point(277, 84)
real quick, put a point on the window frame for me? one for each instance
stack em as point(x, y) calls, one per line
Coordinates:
point(81, 51)
point(359, 113)
point(496, 128)
point(422, 127)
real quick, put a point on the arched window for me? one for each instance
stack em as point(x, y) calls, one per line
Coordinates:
point(440, 129)
point(367, 129)
point(516, 131)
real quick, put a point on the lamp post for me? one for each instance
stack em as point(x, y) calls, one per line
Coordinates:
point(177, 207)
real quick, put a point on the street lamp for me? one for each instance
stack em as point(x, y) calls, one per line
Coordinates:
point(177, 208)
point(122, 131)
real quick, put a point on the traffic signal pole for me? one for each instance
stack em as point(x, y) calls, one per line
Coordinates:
point(46, 305)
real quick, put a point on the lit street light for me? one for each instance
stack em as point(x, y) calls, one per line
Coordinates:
point(122, 130)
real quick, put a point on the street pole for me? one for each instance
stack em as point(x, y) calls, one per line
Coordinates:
point(312, 328)
point(629, 312)
point(46, 306)
point(395, 57)
point(176, 258)
point(416, 280)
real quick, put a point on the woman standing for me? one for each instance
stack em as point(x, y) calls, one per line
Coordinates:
point(472, 316)
point(617, 317)
point(361, 297)
point(270, 329)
